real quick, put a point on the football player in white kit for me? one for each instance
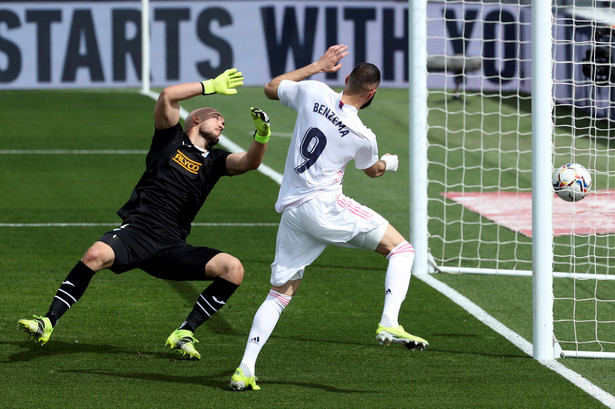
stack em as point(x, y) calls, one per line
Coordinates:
point(315, 213)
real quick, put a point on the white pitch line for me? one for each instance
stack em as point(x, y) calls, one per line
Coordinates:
point(516, 339)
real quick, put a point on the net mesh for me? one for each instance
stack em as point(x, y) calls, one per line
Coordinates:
point(480, 157)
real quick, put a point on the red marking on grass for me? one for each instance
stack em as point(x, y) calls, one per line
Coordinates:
point(595, 214)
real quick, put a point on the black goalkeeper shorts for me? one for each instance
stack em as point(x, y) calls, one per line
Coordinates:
point(153, 251)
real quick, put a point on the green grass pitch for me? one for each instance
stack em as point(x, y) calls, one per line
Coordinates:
point(108, 351)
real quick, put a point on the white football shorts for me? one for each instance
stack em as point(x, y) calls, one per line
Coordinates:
point(329, 218)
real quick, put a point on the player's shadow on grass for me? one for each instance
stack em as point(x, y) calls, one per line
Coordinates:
point(483, 354)
point(431, 348)
point(207, 380)
point(33, 351)
point(326, 388)
point(292, 339)
point(219, 380)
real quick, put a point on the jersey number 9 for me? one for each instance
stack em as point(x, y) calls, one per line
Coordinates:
point(312, 145)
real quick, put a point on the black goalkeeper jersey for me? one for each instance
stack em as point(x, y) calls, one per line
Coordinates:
point(177, 180)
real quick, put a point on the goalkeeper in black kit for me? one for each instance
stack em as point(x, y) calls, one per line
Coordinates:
point(182, 167)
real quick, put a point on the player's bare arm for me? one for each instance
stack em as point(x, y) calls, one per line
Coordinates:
point(238, 163)
point(376, 170)
point(166, 112)
point(387, 163)
point(329, 62)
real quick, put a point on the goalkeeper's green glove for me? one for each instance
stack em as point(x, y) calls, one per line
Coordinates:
point(223, 83)
point(263, 127)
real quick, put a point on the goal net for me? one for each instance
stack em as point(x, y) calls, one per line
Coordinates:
point(479, 149)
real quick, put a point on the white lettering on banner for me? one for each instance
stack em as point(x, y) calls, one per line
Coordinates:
point(62, 45)
point(98, 44)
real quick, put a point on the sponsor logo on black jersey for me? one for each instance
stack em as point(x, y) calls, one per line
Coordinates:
point(186, 163)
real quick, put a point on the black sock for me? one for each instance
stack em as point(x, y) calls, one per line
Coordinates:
point(210, 301)
point(70, 291)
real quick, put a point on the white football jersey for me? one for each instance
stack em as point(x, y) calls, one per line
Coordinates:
point(327, 135)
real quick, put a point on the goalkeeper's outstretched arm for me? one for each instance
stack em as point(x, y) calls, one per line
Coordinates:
point(166, 112)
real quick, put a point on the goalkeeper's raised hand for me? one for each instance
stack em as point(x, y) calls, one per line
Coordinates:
point(263, 127)
point(224, 83)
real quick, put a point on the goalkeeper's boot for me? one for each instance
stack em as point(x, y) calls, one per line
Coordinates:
point(38, 328)
point(397, 335)
point(183, 341)
point(240, 382)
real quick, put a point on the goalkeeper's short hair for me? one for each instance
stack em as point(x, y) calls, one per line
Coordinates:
point(203, 114)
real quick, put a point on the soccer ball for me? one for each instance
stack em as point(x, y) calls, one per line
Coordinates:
point(571, 182)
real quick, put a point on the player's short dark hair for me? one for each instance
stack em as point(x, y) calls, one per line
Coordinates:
point(365, 75)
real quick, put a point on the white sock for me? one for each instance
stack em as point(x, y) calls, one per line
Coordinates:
point(396, 282)
point(264, 322)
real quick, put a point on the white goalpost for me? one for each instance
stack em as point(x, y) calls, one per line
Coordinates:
point(542, 206)
point(145, 47)
point(501, 93)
